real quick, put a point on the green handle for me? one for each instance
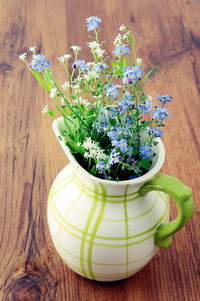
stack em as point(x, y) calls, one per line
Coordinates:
point(182, 195)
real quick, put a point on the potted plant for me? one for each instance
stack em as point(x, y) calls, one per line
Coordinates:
point(108, 210)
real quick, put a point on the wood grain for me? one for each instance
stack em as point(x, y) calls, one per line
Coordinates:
point(168, 35)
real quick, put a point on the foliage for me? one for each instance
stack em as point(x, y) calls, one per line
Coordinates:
point(104, 107)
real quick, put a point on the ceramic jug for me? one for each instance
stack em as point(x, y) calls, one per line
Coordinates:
point(107, 230)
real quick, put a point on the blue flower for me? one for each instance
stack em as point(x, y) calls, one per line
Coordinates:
point(102, 122)
point(148, 103)
point(98, 67)
point(125, 105)
point(112, 112)
point(132, 74)
point(113, 91)
point(127, 120)
point(125, 50)
point(115, 142)
point(93, 19)
point(82, 64)
point(101, 166)
point(39, 63)
point(121, 50)
point(101, 127)
point(119, 130)
point(126, 132)
point(129, 77)
point(114, 157)
point(160, 113)
point(157, 132)
point(164, 99)
point(117, 51)
point(112, 134)
point(127, 68)
point(164, 114)
point(145, 152)
point(102, 118)
point(132, 177)
point(92, 22)
point(123, 145)
point(128, 95)
point(129, 152)
point(138, 71)
point(142, 108)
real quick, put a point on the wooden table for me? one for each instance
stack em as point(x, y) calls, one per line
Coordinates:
point(167, 34)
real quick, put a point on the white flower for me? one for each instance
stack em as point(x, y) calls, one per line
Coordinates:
point(122, 27)
point(86, 155)
point(138, 61)
point(64, 58)
point(53, 92)
point(64, 140)
point(125, 36)
point(78, 144)
point(66, 85)
point(22, 56)
point(62, 101)
point(100, 52)
point(82, 101)
point(45, 109)
point(76, 48)
point(32, 49)
point(91, 75)
point(67, 56)
point(76, 87)
point(118, 40)
point(78, 79)
point(93, 45)
point(88, 143)
point(93, 150)
point(90, 64)
point(61, 59)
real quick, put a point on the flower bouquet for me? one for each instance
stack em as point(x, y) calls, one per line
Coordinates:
point(110, 125)
point(104, 225)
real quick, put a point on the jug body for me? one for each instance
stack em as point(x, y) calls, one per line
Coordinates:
point(103, 232)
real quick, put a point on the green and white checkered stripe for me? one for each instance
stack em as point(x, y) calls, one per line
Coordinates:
point(100, 236)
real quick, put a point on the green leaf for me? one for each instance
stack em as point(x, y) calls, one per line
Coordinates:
point(40, 79)
point(120, 63)
point(144, 125)
point(142, 98)
point(108, 70)
point(112, 63)
point(67, 124)
point(124, 62)
point(51, 113)
point(139, 89)
point(93, 170)
point(147, 75)
point(64, 108)
point(47, 78)
point(144, 164)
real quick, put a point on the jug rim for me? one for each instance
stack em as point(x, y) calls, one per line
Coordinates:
point(160, 157)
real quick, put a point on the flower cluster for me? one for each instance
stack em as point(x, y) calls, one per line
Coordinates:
point(93, 150)
point(111, 125)
point(92, 22)
point(39, 62)
point(121, 50)
point(132, 74)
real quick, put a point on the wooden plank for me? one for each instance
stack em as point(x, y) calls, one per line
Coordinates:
point(166, 34)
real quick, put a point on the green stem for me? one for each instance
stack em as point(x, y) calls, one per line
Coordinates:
point(69, 105)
